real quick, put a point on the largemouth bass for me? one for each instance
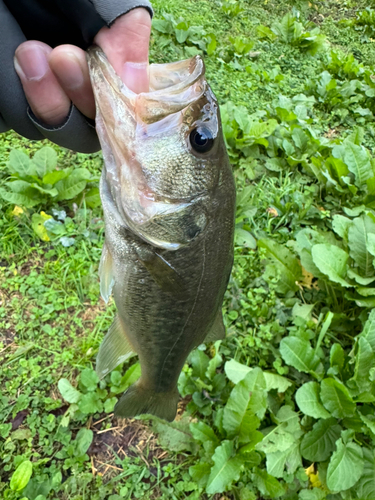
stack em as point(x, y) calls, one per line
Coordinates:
point(168, 198)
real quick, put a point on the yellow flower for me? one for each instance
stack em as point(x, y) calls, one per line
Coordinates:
point(17, 211)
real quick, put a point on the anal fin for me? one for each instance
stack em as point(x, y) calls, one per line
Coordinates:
point(114, 350)
point(217, 330)
point(106, 273)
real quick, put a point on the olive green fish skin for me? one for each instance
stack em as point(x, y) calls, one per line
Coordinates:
point(165, 318)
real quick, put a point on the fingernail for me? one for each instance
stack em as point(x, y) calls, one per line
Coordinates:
point(31, 63)
point(71, 77)
point(135, 76)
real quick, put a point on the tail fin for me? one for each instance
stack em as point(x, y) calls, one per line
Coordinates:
point(138, 400)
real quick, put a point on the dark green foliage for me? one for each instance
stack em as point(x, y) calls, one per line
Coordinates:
point(284, 406)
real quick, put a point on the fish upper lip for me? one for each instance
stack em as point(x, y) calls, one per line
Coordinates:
point(183, 74)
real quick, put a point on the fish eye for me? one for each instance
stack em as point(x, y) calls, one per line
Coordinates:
point(201, 139)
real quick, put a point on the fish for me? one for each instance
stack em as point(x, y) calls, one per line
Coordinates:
point(168, 195)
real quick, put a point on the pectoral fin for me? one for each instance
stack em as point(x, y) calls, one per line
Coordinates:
point(114, 350)
point(106, 273)
point(162, 272)
point(217, 331)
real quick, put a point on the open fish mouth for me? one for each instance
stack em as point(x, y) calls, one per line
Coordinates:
point(130, 125)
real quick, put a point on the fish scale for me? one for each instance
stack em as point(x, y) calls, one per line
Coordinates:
point(168, 198)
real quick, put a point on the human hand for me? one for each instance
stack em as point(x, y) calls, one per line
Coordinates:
point(53, 78)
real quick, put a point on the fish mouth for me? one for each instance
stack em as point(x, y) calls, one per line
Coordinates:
point(173, 77)
point(121, 115)
point(173, 86)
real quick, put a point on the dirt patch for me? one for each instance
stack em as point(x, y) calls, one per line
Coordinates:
point(323, 10)
point(125, 438)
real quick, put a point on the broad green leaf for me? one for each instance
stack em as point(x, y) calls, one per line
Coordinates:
point(131, 375)
point(285, 28)
point(358, 242)
point(236, 407)
point(211, 43)
point(314, 494)
point(267, 484)
point(370, 245)
point(199, 361)
point(68, 392)
point(90, 403)
point(227, 468)
point(21, 187)
point(336, 398)
point(345, 467)
point(289, 419)
point(275, 381)
point(368, 420)
point(265, 32)
point(262, 129)
point(55, 176)
point(358, 162)
point(175, 436)
point(357, 136)
point(332, 261)
point(248, 433)
point(340, 225)
point(5, 430)
point(245, 239)
point(72, 185)
point(20, 163)
point(92, 198)
point(307, 398)
point(21, 434)
point(37, 223)
point(249, 390)
point(236, 371)
point(83, 441)
point(357, 277)
point(284, 261)
point(337, 356)
point(256, 385)
point(45, 160)
point(366, 291)
point(299, 354)
point(200, 473)
point(110, 404)
point(163, 26)
point(300, 139)
point(50, 191)
point(364, 361)
point(302, 310)
point(318, 444)
point(21, 476)
point(369, 330)
point(289, 459)
point(202, 432)
point(89, 379)
point(365, 488)
point(28, 200)
point(276, 439)
point(214, 362)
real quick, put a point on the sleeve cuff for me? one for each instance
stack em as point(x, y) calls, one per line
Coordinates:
point(77, 132)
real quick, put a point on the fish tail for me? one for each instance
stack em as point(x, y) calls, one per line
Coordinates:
point(138, 400)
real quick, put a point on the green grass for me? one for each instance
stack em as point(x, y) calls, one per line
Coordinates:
point(295, 309)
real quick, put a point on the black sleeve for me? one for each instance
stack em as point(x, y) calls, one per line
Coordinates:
point(54, 22)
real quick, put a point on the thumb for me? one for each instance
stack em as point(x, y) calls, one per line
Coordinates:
point(126, 45)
